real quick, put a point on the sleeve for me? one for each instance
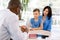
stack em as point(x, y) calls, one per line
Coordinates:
point(32, 23)
point(49, 25)
point(13, 28)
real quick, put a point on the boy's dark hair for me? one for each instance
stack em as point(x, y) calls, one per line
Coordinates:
point(36, 10)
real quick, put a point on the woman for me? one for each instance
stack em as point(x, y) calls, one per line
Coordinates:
point(46, 19)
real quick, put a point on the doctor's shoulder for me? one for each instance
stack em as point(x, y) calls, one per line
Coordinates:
point(8, 14)
point(11, 14)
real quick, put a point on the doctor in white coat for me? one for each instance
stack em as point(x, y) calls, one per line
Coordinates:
point(9, 22)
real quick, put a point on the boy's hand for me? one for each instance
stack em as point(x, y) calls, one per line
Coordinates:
point(33, 29)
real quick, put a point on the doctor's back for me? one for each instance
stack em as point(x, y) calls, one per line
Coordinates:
point(9, 22)
point(9, 26)
point(4, 18)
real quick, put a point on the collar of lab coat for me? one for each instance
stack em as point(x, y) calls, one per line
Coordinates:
point(11, 12)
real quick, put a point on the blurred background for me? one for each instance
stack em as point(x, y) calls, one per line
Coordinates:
point(29, 5)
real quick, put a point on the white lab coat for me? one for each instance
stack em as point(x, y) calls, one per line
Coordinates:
point(9, 26)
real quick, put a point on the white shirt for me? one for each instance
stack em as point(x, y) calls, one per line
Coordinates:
point(9, 26)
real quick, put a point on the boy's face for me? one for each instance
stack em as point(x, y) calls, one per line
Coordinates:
point(36, 14)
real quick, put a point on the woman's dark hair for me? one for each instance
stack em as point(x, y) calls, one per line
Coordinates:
point(49, 11)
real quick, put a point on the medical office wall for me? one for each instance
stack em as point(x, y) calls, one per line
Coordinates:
point(29, 5)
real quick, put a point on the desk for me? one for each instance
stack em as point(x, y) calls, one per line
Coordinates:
point(42, 32)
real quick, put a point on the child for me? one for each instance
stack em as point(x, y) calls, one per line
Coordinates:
point(36, 21)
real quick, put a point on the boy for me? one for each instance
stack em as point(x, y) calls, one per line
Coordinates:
point(36, 21)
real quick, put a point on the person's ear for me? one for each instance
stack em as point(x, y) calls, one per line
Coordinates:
point(18, 10)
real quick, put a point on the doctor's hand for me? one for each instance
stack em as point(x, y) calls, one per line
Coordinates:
point(24, 29)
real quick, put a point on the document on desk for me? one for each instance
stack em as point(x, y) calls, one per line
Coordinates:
point(42, 32)
point(33, 35)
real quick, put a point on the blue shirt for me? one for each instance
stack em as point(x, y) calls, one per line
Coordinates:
point(47, 24)
point(35, 24)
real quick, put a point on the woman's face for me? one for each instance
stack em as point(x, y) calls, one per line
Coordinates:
point(46, 12)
